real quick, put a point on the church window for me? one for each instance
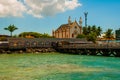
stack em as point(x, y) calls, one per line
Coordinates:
point(75, 32)
point(75, 27)
point(72, 35)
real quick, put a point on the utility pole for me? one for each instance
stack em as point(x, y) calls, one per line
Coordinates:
point(85, 13)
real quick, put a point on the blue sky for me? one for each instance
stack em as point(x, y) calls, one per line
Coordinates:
point(45, 15)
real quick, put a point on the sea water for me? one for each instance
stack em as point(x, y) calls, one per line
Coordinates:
point(58, 66)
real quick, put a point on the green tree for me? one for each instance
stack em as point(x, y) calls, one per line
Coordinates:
point(45, 35)
point(91, 32)
point(11, 29)
point(89, 29)
point(85, 30)
point(109, 34)
point(92, 37)
point(34, 34)
point(99, 30)
point(80, 36)
point(94, 28)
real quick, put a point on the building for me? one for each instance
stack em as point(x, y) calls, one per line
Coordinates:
point(117, 34)
point(69, 30)
point(4, 36)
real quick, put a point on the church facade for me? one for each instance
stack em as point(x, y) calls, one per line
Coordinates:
point(69, 30)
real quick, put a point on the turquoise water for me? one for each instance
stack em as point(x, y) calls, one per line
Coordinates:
point(109, 69)
point(56, 66)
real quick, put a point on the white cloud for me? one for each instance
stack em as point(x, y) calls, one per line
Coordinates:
point(11, 8)
point(40, 8)
point(71, 4)
point(37, 8)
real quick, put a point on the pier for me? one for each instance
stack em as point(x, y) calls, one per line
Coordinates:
point(91, 49)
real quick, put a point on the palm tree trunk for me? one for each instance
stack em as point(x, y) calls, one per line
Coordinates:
point(11, 34)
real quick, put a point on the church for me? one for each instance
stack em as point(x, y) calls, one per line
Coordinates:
point(69, 30)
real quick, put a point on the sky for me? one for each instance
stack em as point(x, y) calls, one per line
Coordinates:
point(43, 16)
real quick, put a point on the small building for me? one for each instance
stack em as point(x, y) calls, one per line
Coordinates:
point(69, 30)
point(4, 36)
point(117, 34)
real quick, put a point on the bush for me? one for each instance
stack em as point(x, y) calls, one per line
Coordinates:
point(80, 36)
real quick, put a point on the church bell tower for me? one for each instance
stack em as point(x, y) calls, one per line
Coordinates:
point(80, 22)
point(69, 20)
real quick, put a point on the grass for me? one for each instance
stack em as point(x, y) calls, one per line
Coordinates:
point(56, 66)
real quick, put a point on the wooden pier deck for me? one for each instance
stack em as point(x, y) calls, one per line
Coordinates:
point(91, 49)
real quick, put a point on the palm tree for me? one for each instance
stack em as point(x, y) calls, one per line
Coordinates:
point(89, 29)
point(11, 29)
point(94, 28)
point(99, 30)
point(109, 34)
point(85, 30)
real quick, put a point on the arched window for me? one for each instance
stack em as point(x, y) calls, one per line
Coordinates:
point(75, 32)
point(72, 34)
point(40, 43)
point(47, 43)
point(75, 27)
point(34, 43)
point(11, 43)
point(27, 43)
point(19, 43)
